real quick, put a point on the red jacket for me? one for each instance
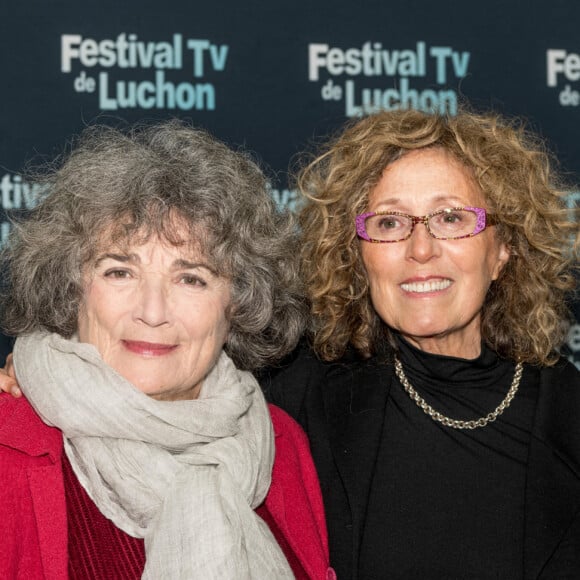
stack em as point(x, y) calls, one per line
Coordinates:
point(33, 526)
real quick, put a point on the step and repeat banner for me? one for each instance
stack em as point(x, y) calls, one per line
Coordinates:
point(275, 77)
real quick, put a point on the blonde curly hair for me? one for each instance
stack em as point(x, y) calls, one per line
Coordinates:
point(525, 315)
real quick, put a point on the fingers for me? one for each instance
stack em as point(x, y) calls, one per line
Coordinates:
point(8, 382)
point(9, 385)
point(9, 366)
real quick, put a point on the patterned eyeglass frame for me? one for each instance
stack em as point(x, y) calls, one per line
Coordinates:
point(484, 220)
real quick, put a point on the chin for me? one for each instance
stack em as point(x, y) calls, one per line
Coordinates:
point(423, 331)
point(145, 385)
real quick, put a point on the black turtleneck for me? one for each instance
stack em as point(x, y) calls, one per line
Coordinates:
point(449, 503)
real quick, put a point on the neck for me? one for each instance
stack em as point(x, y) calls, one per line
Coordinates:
point(450, 345)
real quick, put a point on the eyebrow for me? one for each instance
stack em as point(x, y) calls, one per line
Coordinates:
point(452, 199)
point(178, 264)
point(187, 265)
point(117, 257)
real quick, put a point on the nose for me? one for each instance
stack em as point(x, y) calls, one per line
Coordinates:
point(152, 304)
point(421, 246)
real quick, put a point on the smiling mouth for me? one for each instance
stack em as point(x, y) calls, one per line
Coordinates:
point(148, 348)
point(429, 286)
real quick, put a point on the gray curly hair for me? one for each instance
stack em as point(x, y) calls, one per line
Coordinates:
point(136, 183)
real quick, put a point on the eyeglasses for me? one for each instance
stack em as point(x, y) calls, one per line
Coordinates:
point(452, 223)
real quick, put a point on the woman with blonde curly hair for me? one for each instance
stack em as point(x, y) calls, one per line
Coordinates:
point(438, 253)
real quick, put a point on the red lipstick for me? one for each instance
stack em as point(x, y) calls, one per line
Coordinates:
point(148, 348)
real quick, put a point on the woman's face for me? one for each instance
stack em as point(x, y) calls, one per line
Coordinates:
point(432, 291)
point(158, 316)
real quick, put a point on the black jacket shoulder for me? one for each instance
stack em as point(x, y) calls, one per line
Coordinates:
point(287, 383)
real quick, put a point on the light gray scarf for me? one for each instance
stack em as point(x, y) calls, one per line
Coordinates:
point(183, 475)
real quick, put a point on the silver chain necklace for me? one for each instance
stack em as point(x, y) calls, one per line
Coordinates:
point(458, 423)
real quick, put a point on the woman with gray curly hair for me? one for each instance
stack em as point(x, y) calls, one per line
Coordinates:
point(151, 277)
point(438, 255)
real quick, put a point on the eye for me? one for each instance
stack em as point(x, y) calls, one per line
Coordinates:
point(193, 280)
point(388, 222)
point(452, 218)
point(117, 274)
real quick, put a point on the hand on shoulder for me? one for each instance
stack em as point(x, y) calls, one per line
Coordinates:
point(8, 383)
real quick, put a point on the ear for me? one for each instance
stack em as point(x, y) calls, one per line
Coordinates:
point(502, 259)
